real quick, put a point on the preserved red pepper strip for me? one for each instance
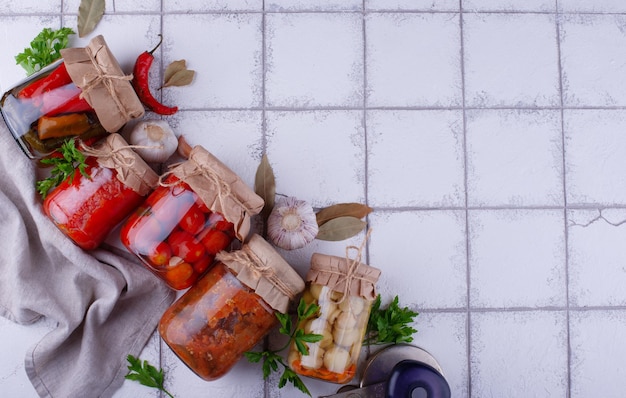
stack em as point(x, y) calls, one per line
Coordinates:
point(57, 78)
point(62, 126)
point(142, 88)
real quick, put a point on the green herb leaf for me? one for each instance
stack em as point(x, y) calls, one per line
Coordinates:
point(271, 358)
point(44, 49)
point(390, 325)
point(145, 374)
point(64, 167)
point(90, 12)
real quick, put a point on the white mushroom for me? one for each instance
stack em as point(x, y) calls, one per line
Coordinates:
point(154, 140)
point(336, 359)
point(315, 358)
point(346, 337)
point(291, 224)
point(352, 304)
point(345, 320)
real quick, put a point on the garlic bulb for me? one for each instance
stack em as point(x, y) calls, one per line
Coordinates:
point(292, 224)
point(154, 140)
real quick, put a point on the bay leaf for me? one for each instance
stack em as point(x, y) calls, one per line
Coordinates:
point(89, 14)
point(340, 228)
point(357, 210)
point(180, 78)
point(265, 185)
point(174, 67)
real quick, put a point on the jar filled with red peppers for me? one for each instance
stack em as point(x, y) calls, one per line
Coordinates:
point(200, 207)
point(344, 289)
point(230, 309)
point(85, 94)
point(86, 207)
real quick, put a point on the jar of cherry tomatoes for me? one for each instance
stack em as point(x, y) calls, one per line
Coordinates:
point(230, 309)
point(200, 207)
point(84, 95)
point(87, 206)
point(344, 289)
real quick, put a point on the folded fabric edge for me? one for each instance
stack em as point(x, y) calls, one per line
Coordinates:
point(138, 342)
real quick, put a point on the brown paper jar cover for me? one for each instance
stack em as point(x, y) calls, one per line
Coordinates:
point(115, 153)
point(95, 70)
point(258, 266)
point(334, 272)
point(220, 189)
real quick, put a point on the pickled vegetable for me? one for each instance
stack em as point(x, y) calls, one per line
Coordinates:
point(175, 235)
point(87, 209)
point(342, 322)
point(215, 322)
point(45, 110)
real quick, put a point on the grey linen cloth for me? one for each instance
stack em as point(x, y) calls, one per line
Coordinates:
point(105, 305)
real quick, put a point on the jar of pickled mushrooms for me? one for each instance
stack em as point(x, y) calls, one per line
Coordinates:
point(344, 289)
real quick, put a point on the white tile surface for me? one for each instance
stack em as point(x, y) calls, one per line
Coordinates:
point(314, 60)
point(418, 142)
point(526, 352)
point(413, 59)
point(592, 60)
point(597, 349)
point(510, 60)
point(594, 143)
point(596, 266)
point(512, 250)
point(514, 158)
point(488, 136)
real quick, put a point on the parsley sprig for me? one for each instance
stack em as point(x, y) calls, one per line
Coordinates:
point(44, 49)
point(145, 374)
point(65, 166)
point(389, 325)
point(271, 358)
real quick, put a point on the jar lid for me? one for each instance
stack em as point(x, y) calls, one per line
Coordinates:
point(115, 153)
point(258, 266)
point(95, 70)
point(344, 275)
point(220, 189)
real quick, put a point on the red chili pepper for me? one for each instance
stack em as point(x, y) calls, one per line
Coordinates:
point(57, 78)
point(140, 83)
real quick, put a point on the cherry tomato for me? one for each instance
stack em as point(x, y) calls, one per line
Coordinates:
point(215, 241)
point(201, 265)
point(160, 256)
point(193, 220)
point(148, 233)
point(180, 276)
point(185, 246)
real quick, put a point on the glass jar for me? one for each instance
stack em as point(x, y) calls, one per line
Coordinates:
point(87, 207)
point(85, 94)
point(176, 234)
point(230, 309)
point(46, 109)
point(344, 291)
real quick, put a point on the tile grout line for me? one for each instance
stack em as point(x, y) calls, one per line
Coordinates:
point(468, 334)
point(161, 351)
point(565, 204)
point(266, 340)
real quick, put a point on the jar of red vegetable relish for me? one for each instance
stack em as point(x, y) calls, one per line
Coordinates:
point(85, 94)
point(46, 109)
point(116, 181)
point(200, 207)
point(230, 309)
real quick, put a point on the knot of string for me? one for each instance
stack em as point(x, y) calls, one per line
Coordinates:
point(92, 80)
point(352, 264)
